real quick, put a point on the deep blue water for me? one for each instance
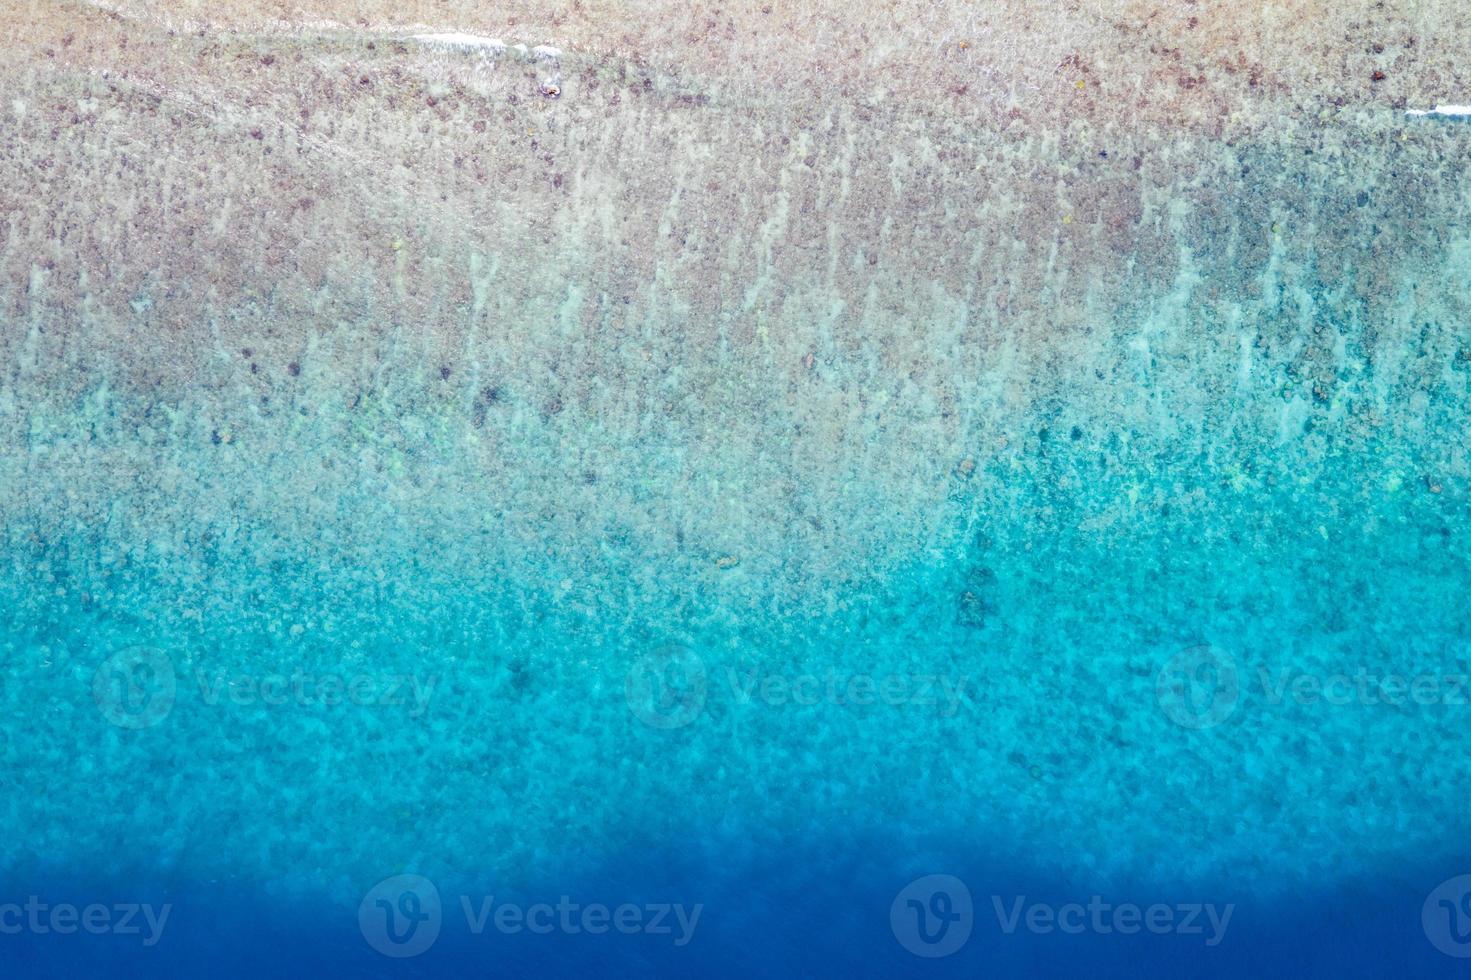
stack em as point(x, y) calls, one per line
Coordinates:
point(829, 923)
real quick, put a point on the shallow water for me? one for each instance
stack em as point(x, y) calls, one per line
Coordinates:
point(671, 508)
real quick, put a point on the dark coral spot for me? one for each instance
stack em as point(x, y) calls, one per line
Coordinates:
point(975, 605)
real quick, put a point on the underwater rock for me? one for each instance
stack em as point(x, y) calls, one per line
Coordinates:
point(976, 606)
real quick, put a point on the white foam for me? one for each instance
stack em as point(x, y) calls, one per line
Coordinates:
point(1442, 110)
point(456, 40)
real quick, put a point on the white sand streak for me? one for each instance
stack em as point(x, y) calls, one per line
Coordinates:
point(1442, 110)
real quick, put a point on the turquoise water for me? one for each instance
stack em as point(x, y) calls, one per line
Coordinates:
point(826, 562)
point(258, 731)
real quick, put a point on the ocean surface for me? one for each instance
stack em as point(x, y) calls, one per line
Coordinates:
point(949, 494)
